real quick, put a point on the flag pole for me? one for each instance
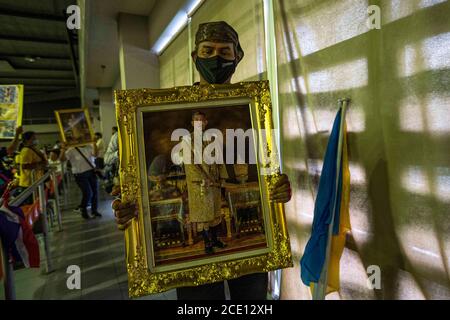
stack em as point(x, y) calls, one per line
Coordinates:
point(321, 287)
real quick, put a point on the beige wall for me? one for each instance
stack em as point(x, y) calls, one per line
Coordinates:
point(139, 67)
point(107, 113)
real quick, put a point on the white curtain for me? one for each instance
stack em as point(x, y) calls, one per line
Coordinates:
point(399, 137)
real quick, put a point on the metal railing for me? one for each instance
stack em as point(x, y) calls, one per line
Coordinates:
point(39, 185)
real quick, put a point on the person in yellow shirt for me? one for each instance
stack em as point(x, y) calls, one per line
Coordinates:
point(32, 161)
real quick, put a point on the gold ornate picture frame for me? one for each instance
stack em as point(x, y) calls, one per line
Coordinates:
point(75, 128)
point(260, 243)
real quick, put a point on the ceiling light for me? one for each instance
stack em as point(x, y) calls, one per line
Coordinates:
point(175, 26)
point(193, 6)
point(30, 59)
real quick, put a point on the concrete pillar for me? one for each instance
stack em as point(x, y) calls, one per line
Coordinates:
point(139, 67)
point(107, 112)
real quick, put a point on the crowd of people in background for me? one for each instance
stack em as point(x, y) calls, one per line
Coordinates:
point(24, 161)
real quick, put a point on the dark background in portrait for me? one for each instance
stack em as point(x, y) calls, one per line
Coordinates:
point(158, 128)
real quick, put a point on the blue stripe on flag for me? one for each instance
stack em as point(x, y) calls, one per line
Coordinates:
point(314, 256)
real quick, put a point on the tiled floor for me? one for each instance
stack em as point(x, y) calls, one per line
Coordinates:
point(95, 245)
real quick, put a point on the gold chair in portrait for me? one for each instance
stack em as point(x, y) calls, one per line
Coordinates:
point(164, 212)
point(241, 198)
point(244, 202)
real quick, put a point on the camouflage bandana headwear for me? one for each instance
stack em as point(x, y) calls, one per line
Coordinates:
point(219, 31)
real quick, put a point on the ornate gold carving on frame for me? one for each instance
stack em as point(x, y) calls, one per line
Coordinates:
point(141, 280)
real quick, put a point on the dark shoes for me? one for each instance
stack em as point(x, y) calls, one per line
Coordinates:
point(219, 244)
point(209, 249)
point(85, 215)
point(96, 214)
point(215, 241)
point(211, 240)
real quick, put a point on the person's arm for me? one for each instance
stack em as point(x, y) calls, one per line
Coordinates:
point(94, 150)
point(62, 152)
point(124, 212)
point(281, 192)
point(101, 147)
point(13, 145)
point(112, 150)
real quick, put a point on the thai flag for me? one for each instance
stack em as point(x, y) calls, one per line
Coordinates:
point(17, 236)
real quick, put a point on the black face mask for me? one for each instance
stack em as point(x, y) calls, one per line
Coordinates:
point(215, 69)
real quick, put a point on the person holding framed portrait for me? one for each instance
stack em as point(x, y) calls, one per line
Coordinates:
point(216, 55)
point(75, 126)
point(84, 171)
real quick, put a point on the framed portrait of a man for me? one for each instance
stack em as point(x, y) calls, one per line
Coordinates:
point(199, 162)
point(11, 108)
point(75, 126)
